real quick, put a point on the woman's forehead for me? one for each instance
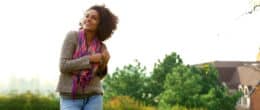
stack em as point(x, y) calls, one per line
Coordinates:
point(91, 12)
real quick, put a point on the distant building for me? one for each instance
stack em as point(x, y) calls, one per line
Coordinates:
point(243, 76)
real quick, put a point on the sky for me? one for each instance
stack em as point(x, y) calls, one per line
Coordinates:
point(32, 33)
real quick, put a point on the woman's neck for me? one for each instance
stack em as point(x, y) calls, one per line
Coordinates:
point(89, 36)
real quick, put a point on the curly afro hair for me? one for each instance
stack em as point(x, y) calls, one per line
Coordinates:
point(108, 22)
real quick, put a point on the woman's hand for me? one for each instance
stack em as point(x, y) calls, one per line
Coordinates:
point(95, 58)
point(101, 58)
point(105, 57)
point(102, 68)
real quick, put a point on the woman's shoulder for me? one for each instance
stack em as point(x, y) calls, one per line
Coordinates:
point(72, 35)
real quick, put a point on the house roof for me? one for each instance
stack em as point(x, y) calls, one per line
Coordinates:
point(232, 64)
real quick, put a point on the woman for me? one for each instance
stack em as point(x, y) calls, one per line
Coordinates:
point(84, 59)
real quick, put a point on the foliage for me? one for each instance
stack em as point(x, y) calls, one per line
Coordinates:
point(178, 107)
point(29, 101)
point(172, 83)
point(191, 87)
point(125, 103)
point(130, 81)
point(161, 69)
point(36, 101)
point(182, 87)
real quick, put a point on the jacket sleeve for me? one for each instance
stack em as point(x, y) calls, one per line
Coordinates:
point(102, 72)
point(67, 64)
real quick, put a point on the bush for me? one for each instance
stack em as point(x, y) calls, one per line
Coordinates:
point(125, 103)
point(177, 107)
point(29, 101)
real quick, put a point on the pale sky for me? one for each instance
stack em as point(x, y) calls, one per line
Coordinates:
point(32, 33)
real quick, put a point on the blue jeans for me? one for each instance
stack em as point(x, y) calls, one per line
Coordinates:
point(91, 103)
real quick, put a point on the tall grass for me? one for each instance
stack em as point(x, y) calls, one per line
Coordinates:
point(29, 101)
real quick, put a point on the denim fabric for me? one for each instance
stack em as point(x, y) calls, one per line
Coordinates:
point(94, 102)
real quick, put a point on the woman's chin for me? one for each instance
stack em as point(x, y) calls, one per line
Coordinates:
point(89, 30)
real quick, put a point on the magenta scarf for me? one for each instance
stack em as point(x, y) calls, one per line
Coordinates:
point(82, 78)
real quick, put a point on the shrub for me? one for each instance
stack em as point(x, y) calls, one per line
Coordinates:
point(125, 103)
point(29, 101)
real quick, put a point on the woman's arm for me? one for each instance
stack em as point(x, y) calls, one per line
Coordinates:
point(105, 58)
point(67, 64)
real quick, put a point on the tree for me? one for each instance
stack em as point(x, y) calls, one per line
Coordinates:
point(128, 81)
point(195, 87)
point(161, 69)
point(171, 83)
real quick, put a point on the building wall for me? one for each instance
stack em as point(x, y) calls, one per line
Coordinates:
point(255, 99)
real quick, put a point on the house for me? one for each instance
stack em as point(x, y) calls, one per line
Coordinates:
point(243, 76)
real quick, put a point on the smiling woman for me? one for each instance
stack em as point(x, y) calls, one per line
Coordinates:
point(83, 62)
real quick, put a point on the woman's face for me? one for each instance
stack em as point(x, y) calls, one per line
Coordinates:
point(91, 20)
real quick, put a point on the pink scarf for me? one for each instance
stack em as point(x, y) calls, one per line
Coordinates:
point(82, 78)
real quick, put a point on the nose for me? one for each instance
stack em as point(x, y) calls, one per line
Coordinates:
point(87, 19)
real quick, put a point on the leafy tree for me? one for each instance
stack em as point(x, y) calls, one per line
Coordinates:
point(182, 87)
point(171, 83)
point(161, 69)
point(128, 81)
point(196, 87)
